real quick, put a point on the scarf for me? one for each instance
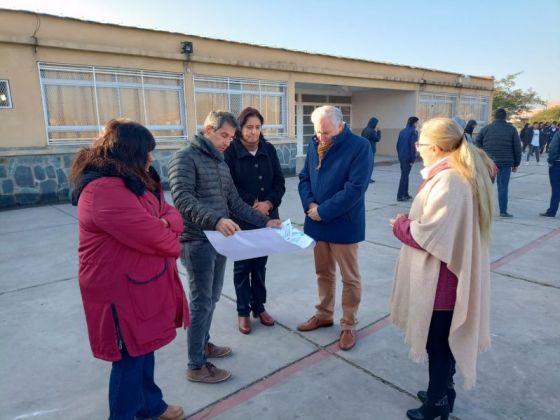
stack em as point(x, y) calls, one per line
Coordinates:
point(322, 149)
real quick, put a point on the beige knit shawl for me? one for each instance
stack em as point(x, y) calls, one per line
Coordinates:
point(445, 224)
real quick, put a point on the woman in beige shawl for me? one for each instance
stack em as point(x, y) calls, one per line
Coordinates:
point(441, 290)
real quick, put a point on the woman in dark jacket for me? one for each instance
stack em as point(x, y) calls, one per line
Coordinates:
point(373, 135)
point(258, 177)
point(128, 246)
point(406, 152)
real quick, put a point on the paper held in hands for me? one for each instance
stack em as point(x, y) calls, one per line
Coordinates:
point(247, 244)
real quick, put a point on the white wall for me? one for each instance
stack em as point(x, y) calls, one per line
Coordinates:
point(392, 108)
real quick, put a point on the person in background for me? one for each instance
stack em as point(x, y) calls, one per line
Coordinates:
point(469, 130)
point(407, 155)
point(525, 138)
point(537, 137)
point(441, 291)
point(554, 175)
point(373, 134)
point(501, 142)
point(257, 175)
point(552, 132)
point(128, 246)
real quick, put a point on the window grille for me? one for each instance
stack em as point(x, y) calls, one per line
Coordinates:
point(436, 105)
point(5, 96)
point(213, 93)
point(79, 100)
point(474, 108)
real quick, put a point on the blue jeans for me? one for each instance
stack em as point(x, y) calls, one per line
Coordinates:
point(502, 180)
point(205, 269)
point(554, 176)
point(403, 183)
point(132, 390)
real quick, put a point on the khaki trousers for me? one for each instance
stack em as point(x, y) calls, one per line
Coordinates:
point(327, 255)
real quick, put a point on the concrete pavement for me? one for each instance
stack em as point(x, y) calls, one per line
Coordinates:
point(48, 372)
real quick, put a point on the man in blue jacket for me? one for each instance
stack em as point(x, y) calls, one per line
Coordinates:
point(406, 151)
point(332, 186)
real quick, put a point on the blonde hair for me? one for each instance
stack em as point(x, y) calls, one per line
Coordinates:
point(469, 161)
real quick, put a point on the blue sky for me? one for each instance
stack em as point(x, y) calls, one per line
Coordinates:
point(492, 37)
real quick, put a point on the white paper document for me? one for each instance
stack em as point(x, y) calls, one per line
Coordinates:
point(247, 244)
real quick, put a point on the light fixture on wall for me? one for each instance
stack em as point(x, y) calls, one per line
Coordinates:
point(187, 48)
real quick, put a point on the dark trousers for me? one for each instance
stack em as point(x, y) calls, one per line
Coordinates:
point(502, 180)
point(403, 183)
point(535, 150)
point(554, 176)
point(132, 390)
point(440, 359)
point(248, 278)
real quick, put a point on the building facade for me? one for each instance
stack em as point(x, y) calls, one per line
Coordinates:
point(61, 79)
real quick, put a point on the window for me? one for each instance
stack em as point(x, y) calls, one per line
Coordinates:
point(474, 108)
point(436, 105)
point(5, 97)
point(233, 95)
point(308, 103)
point(79, 100)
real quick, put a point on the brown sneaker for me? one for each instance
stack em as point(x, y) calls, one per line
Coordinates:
point(313, 323)
point(347, 339)
point(213, 351)
point(173, 412)
point(208, 374)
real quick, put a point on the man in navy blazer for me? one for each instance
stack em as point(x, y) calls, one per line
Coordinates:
point(332, 187)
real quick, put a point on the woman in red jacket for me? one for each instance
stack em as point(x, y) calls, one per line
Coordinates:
point(128, 245)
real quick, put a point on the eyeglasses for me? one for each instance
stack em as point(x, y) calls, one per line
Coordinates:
point(417, 144)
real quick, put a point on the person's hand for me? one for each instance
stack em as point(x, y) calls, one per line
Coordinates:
point(165, 222)
point(274, 223)
point(263, 206)
point(313, 213)
point(394, 219)
point(227, 227)
point(513, 169)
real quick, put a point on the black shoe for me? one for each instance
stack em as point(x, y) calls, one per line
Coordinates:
point(451, 394)
point(430, 410)
point(506, 215)
point(404, 198)
point(408, 197)
point(546, 215)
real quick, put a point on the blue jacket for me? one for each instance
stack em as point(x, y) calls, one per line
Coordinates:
point(338, 187)
point(406, 149)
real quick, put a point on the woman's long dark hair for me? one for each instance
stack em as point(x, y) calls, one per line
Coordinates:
point(121, 150)
point(469, 128)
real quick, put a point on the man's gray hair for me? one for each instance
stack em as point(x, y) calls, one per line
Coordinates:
point(331, 112)
point(217, 119)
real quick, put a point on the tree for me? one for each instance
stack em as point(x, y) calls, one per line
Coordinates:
point(550, 114)
point(514, 101)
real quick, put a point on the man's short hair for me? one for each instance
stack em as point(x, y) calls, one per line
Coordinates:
point(217, 119)
point(500, 114)
point(331, 112)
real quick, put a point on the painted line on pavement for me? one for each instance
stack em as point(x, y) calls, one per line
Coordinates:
point(260, 386)
point(500, 262)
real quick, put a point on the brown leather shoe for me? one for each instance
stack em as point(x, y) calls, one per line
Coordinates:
point(208, 374)
point(266, 319)
point(173, 412)
point(347, 339)
point(213, 351)
point(244, 324)
point(313, 323)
